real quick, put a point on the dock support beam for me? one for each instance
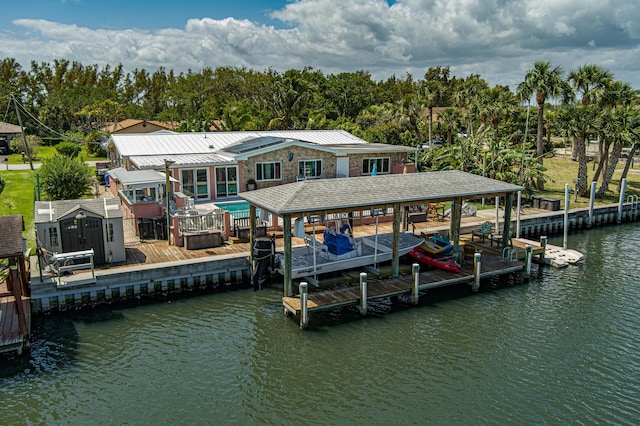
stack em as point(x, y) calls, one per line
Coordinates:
point(304, 309)
point(363, 293)
point(415, 273)
point(288, 290)
point(477, 263)
point(528, 258)
point(566, 215)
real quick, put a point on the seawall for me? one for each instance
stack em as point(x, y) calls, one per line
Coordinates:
point(127, 284)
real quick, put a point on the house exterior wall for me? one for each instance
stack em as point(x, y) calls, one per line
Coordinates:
point(289, 168)
point(395, 163)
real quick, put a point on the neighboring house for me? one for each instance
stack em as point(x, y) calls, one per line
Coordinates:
point(131, 125)
point(76, 225)
point(219, 165)
point(7, 132)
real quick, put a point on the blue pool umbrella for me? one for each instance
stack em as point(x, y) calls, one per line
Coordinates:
point(374, 170)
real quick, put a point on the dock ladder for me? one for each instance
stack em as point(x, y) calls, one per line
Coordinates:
point(635, 202)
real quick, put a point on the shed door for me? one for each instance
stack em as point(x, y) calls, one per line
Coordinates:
point(83, 234)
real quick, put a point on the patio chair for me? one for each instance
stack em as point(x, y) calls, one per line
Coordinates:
point(485, 231)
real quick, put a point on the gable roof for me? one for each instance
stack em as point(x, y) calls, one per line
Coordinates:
point(131, 122)
point(52, 211)
point(358, 193)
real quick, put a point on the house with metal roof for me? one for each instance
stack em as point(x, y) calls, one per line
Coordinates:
point(216, 166)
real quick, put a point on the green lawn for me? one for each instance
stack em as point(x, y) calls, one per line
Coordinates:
point(18, 198)
point(45, 152)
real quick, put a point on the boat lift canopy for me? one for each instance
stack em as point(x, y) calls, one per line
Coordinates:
point(323, 196)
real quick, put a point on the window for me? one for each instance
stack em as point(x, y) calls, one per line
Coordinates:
point(382, 165)
point(268, 171)
point(310, 168)
point(109, 232)
point(53, 237)
point(195, 183)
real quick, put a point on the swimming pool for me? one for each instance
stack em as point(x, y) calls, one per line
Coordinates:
point(233, 206)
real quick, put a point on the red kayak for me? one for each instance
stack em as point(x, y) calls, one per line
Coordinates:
point(443, 263)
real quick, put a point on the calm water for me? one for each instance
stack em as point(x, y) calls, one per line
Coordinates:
point(563, 348)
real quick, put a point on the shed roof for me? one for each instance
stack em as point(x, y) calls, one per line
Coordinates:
point(324, 195)
point(9, 129)
point(11, 228)
point(52, 211)
point(138, 177)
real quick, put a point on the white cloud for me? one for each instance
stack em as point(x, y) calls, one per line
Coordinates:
point(498, 39)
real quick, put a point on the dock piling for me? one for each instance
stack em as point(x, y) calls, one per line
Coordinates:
point(304, 309)
point(477, 263)
point(543, 243)
point(363, 293)
point(415, 272)
point(623, 188)
point(528, 259)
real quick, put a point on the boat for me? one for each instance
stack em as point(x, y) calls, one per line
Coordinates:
point(435, 260)
point(340, 250)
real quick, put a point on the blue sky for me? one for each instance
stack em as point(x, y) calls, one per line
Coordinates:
point(498, 39)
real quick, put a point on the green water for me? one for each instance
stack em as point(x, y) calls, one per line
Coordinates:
point(563, 348)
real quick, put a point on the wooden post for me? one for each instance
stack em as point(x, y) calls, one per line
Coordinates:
point(506, 228)
point(415, 272)
point(477, 263)
point(363, 293)
point(519, 207)
point(252, 236)
point(304, 308)
point(286, 276)
point(528, 258)
point(395, 259)
point(454, 226)
point(543, 243)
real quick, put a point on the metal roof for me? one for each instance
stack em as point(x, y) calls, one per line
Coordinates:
point(137, 177)
point(323, 195)
point(11, 228)
point(182, 160)
point(52, 211)
point(164, 143)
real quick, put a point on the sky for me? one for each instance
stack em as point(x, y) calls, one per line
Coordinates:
point(498, 39)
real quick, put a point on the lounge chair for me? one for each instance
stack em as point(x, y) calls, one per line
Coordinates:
point(485, 231)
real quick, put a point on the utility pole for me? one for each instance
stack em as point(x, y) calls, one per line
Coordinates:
point(24, 137)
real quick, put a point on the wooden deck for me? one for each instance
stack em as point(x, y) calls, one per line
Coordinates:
point(387, 287)
point(11, 339)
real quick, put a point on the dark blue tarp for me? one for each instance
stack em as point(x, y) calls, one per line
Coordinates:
point(337, 243)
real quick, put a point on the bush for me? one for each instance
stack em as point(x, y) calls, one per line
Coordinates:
point(66, 178)
point(33, 142)
point(68, 149)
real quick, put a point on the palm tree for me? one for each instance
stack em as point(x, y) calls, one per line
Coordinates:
point(545, 82)
point(432, 93)
point(408, 110)
point(620, 127)
point(451, 119)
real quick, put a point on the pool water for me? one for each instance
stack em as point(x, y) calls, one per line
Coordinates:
point(233, 206)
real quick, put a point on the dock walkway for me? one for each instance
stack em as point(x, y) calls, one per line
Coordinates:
point(388, 287)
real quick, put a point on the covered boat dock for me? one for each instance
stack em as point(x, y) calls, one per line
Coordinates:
point(394, 192)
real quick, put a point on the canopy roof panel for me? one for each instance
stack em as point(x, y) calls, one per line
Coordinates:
point(383, 190)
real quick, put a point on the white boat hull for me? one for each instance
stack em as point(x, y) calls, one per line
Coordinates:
point(370, 251)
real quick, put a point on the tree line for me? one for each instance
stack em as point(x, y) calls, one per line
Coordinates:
point(475, 120)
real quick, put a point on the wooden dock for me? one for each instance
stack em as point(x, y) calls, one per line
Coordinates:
point(12, 338)
point(388, 287)
point(15, 304)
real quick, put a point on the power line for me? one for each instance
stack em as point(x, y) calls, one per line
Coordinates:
point(67, 137)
